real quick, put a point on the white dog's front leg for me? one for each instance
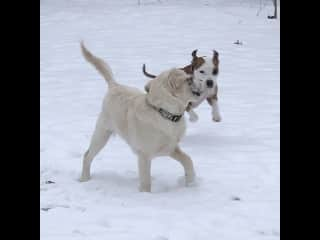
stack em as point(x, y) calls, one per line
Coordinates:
point(215, 112)
point(186, 162)
point(213, 101)
point(144, 166)
point(193, 117)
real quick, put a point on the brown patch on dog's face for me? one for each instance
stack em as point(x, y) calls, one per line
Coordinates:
point(187, 69)
point(195, 63)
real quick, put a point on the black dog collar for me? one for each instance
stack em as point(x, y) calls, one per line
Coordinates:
point(166, 114)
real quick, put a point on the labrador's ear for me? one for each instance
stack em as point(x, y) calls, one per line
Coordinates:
point(176, 78)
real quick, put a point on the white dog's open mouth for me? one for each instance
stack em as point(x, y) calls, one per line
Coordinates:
point(196, 93)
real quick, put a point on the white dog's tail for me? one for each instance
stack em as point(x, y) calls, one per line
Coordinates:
point(102, 67)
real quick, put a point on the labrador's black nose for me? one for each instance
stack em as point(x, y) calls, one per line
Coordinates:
point(209, 83)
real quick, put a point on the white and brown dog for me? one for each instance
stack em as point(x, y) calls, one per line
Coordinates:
point(205, 71)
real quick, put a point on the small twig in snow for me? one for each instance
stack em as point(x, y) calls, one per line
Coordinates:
point(235, 198)
point(45, 209)
point(238, 42)
point(49, 182)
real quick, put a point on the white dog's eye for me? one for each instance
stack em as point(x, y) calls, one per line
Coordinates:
point(202, 72)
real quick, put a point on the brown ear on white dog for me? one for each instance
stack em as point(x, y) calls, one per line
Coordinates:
point(215, 58)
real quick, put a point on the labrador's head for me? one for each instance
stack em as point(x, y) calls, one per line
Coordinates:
point(172, 90)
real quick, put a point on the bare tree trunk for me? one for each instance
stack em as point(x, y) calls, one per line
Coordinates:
point(275, 10)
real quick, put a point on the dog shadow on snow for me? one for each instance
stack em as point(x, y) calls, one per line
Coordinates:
point(108, 181)
point(199, 140)
point(112, 181)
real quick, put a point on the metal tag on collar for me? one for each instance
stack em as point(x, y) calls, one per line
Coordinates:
point(175, 118)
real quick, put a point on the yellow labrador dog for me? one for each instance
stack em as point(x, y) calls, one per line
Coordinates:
point(152, 124)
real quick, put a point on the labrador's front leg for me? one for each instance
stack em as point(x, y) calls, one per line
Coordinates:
point(144, 167)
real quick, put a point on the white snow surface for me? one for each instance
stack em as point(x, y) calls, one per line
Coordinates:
point(236, 158)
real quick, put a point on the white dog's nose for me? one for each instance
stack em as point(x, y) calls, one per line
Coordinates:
point(209, 83)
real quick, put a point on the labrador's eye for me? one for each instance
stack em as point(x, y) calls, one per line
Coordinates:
point(202, 72)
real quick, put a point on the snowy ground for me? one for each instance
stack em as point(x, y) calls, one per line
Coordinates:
point(237, 160)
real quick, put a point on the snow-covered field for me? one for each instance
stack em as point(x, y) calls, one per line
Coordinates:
point(237, 160)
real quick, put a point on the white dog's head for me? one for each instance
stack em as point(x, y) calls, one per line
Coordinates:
point(204, 71)
point(172, 90)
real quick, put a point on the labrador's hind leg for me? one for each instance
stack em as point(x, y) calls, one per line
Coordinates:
point(99, 139)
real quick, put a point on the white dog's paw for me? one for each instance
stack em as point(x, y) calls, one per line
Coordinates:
point(216, 118)
point(193, 117)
